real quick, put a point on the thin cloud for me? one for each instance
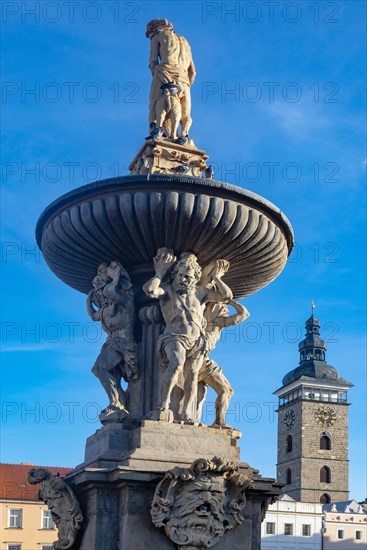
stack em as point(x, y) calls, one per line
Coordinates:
point(299, 121)
point(25, 349)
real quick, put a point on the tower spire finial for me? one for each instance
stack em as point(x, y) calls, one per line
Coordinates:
point(312, 305)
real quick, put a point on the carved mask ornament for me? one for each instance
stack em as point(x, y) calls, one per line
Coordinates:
point(197, 505)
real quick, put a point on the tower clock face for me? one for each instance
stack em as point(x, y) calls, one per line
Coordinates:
point(325, 416)
point(289, 419)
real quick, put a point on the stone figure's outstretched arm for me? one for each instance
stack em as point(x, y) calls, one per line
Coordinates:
point(222, 292)
point(241, 314)
point(94, 314)
point(162, 262)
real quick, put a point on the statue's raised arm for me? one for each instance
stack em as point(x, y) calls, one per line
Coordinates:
point(213, 288)
point(163, 262)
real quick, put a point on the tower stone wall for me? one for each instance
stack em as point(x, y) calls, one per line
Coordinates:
point(306, 458)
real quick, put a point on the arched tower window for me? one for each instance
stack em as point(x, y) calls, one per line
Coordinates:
point(325, 475)
point(325, 499)
point(289, 444)
point(288, 476)
point(325, 443)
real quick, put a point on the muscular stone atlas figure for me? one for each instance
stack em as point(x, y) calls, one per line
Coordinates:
point(211, 373)
point(114, 297)
point(183, 344)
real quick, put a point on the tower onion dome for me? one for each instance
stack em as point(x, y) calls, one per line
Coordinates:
point(312, 352)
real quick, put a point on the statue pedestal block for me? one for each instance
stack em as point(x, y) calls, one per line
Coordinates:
point(157, 445)
point(162, 156)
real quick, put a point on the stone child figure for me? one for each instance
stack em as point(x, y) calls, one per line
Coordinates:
point(168, 110)
point(182, 346)
point(114, 297)
point(211, 373)
point(170, 62)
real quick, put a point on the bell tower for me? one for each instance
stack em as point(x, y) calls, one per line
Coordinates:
point(313, 425)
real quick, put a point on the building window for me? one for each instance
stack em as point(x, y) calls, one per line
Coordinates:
point(270, 528)
point(14, 547)
point(289, 444)
point(47, 547)
point(288, 476)
point(325, 443)
point(325, 499)
point(325, 475)
point(288, 528)
point(15, 518)
point(306, 530)
point(340, 534)
point(47, 522)
point(358, 535)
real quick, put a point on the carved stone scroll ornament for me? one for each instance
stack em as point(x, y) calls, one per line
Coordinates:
point(197, 505)
point(63, 505)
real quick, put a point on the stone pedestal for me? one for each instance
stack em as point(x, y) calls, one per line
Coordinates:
point(157, 445)
point(116, 483)
point(162, 156)
point(117, 504)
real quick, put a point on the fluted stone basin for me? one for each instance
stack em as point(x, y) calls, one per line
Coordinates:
point(129, 218)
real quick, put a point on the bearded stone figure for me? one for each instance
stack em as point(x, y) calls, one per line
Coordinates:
point(197, 505)
point(182, 345)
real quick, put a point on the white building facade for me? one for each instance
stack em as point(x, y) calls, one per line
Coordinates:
point(292, 525)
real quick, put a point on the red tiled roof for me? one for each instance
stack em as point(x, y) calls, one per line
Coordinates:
point(14, 484)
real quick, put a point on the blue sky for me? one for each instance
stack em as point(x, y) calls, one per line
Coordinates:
point(278, 105)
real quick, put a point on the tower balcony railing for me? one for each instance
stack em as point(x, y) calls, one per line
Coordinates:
point(313, 397)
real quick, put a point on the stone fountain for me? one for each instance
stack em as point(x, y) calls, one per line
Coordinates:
point(163, 256)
